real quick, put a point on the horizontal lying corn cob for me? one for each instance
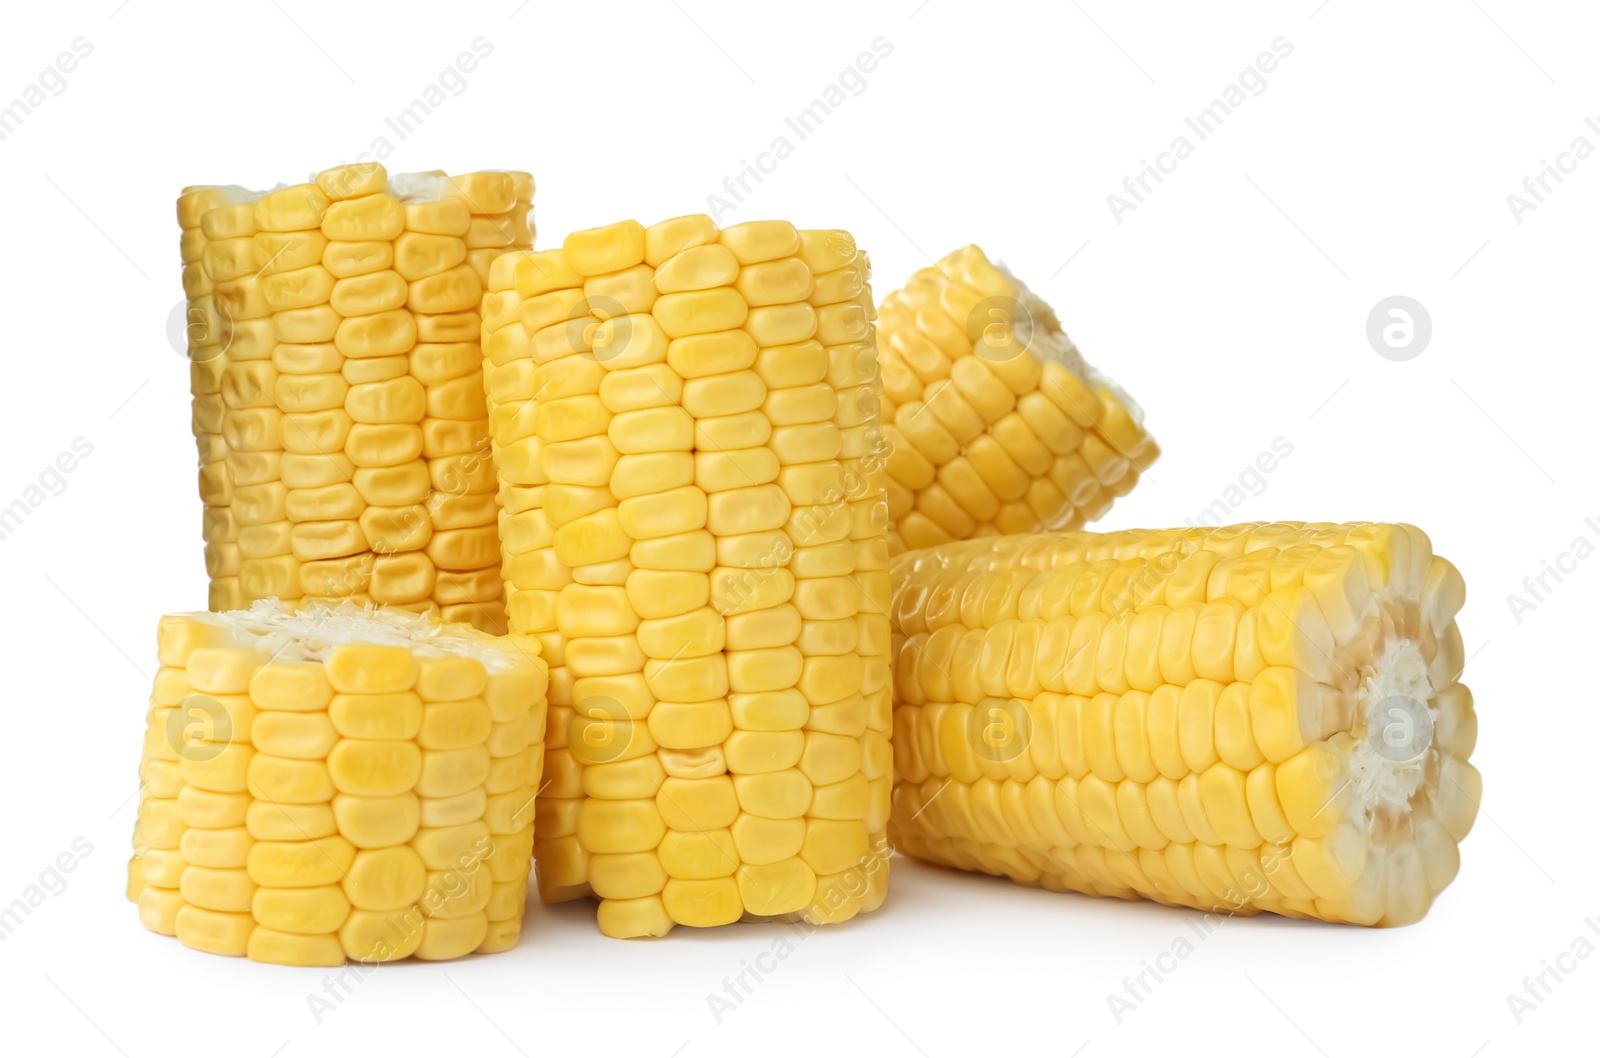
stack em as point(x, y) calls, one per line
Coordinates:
point(1257, 717)
point(996, 423)
point(686, 431)
point(337, 383)
point(337, 784)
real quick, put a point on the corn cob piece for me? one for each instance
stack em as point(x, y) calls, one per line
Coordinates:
point(1259, 717)
point(996, 423)
point(336, 784)
point(686, 432)
point(336, 377)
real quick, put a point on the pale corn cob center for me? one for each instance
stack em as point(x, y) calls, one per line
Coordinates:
point(996, 422)
point(1260, 717)
point(338, 393)
point(685, 424)
point(1383, 785)
point(322, 785)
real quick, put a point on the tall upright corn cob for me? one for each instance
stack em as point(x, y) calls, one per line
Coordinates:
point(1256, 717)
point(686, 431)
point(332, 784)
point(996, 423)
point(338, 398)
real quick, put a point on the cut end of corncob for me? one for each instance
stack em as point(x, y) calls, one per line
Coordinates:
point(996, 423)
point(686, 430)
point(336, 784)
point(1260, 717)
point(338, 387)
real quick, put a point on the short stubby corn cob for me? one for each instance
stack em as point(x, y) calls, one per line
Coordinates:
point(330, 784)
point(996, 423)
point(1260, 717)
point(337, 386)
point(686, 431)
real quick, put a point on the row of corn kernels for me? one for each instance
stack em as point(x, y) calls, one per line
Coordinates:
point(685, 422)
point(337, 385)
point(321, 785)
point(1257, 717)
point(997, 424)
point(698, 479)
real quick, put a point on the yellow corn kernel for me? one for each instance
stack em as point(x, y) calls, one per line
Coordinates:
point(338, 323)
point(1132, 713)
point(992, 400)
point(683, 423)
point(318, 767)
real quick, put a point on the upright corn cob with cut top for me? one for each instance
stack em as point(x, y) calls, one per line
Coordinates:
point(996, 423)
point(337, 381)
point(1256, 717)
point(686, 431)
point(325, 785)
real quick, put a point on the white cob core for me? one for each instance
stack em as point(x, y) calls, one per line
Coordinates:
point(1393, 740)
point(311, 633)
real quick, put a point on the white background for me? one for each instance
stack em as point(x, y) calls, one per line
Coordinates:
point(1232, 303)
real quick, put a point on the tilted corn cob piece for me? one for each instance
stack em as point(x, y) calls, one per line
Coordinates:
point(686, 431)
point(338, 392)
point(336, 784)
point(1253, 718)
point(996, 423)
